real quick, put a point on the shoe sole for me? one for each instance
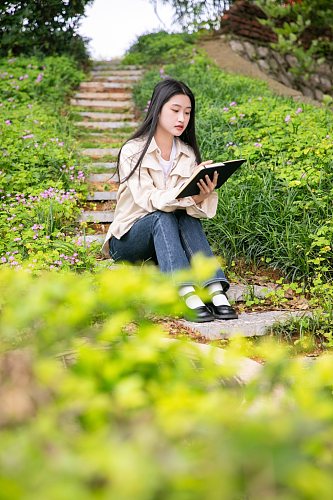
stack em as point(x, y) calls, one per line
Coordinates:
point(226, 317)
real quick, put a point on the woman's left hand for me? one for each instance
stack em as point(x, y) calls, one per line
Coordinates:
point(206, 187)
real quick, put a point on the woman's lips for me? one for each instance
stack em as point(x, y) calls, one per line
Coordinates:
point(180, 127)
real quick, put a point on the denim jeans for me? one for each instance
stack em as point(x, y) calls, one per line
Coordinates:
point(170, 239)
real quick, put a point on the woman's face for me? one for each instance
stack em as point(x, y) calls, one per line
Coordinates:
point(175, 115)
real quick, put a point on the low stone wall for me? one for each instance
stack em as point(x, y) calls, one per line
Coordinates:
point(242, 29)
point(280, 67)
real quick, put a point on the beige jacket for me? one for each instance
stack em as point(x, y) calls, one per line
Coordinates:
point(150, 191)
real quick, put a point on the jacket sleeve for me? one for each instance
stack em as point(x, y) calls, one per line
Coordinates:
point(142, 188)
point(150, 198)
point(207, 208)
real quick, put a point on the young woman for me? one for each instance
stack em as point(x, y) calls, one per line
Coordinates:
point(150, 222)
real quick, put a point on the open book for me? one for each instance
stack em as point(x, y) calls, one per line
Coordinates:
point(225, 170)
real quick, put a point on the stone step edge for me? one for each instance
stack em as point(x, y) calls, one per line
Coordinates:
point(96, 216)
point(247, 325)
point(102, 196)
point(247, 370)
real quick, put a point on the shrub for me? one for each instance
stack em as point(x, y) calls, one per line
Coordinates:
point(39, 28)
point(41, 180)
point(93, 393)
point(160, 48)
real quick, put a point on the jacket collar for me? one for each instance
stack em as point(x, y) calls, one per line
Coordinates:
point(181, 147)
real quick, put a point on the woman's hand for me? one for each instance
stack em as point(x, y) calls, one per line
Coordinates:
point(206, 187)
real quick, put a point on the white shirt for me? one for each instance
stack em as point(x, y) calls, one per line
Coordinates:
point(167, 164)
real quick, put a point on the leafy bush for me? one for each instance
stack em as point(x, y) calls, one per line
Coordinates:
point(160, 48)
point(93, 393)
point(40, 178)
point(39, 28)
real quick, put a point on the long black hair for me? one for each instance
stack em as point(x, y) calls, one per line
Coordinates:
point(162, 93)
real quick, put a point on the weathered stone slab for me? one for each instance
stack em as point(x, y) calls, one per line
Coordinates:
point(96, 115)
point(99, 152)
point(119, 79)
point(118, 72)
point(246, 369)
point(91, 238)
point(239, 293)
point(110, 65)
point(247, 325)
point(97, 216)
point(105, 86)
point(102, 96)
point(105, 125)
point(105, 177)
point(102, 196)
point(94, 103)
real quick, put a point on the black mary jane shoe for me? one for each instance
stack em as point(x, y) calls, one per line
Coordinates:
point(199, 315)
point(223, 312)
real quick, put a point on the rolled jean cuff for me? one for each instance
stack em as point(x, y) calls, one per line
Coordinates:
point(224, 283)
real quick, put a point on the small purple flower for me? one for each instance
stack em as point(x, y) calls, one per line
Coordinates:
point(28, 136)
point(287, 118)
point(8, 122)
point(233, 103)
point(298, 111)
point(39, 78)
point(225, 109)
point(258, 144)
point(3, 260)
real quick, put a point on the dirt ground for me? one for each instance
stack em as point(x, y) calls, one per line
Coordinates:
point(220, 52)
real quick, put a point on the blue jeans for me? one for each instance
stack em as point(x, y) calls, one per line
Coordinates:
point(170, 239)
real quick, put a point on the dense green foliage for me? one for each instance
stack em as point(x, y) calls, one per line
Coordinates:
point(41, 27)
point(138, 416)
point(147, 49)
point(40, 177)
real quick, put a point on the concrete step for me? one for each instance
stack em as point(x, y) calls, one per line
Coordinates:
point(102, 196)
point(112, 66)
point(104, 96)
point(247, 325)
point(105, 125)
point(94, 103)
point(99, 152)
point(96, 115)
point(99, 238)
point(118, 72)
point(105, 86)
point(240, 293)
point(105, 177)
point(90, 238)
point(118, 79)
point(97, 216)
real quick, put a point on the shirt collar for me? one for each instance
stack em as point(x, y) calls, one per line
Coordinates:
point(181, 147)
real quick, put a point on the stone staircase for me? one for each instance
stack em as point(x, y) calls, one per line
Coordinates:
point(106, 119)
